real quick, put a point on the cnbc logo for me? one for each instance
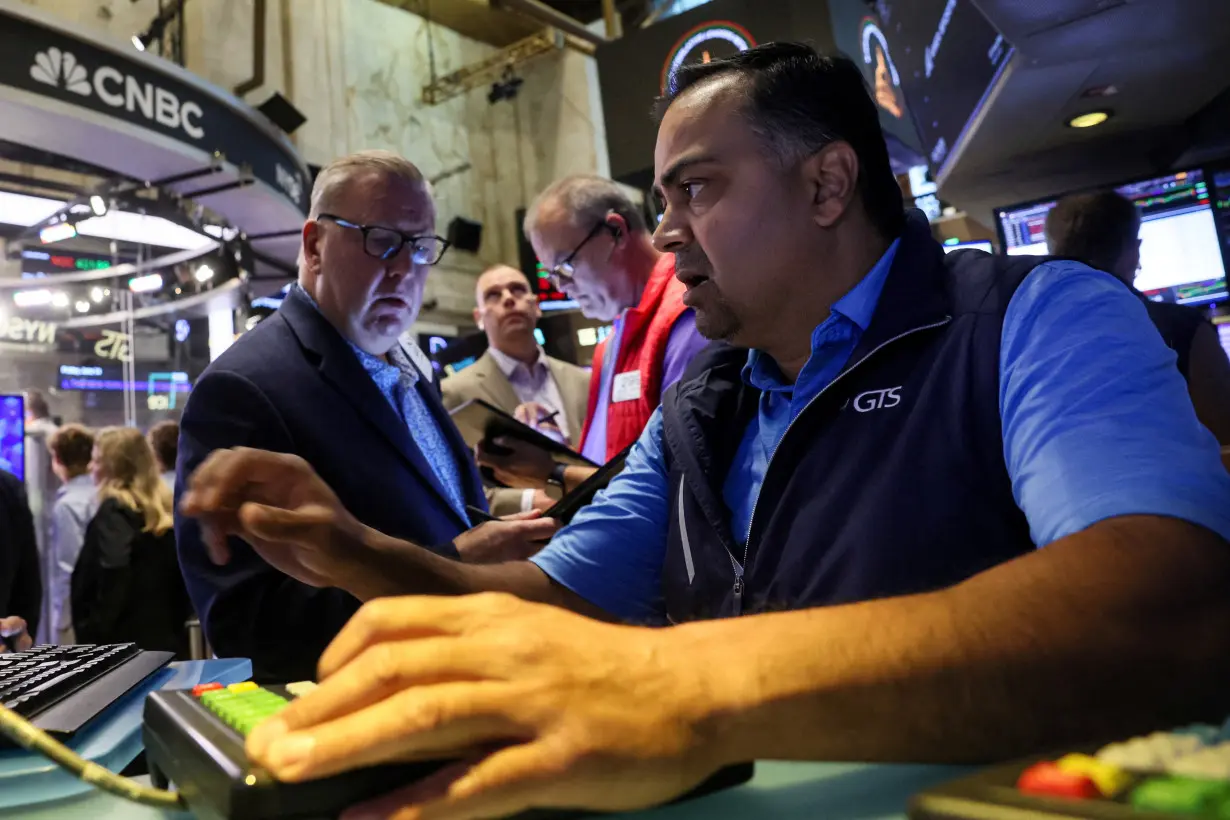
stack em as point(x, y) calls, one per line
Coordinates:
point(61, 69)
point(704, 43)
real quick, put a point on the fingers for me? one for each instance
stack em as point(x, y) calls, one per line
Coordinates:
point(393, 619)
point(417, 722)
point(12, 625)
point(304, 526)
point(533, 529)
point(226, 475)
point(377, 673)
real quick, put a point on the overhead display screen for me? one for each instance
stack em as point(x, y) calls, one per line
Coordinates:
point(948, 57)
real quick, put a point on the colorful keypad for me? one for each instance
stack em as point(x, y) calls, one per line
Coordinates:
point(240, 705)
point(1186, 771)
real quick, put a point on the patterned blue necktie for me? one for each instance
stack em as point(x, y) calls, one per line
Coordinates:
point(397, 382)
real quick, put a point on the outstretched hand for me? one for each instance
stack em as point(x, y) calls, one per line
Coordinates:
point(542, 707)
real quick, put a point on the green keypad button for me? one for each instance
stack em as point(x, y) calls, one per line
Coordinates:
point(243, 709)
point(1181, 795)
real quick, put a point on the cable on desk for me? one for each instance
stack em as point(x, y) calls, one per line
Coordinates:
point(24, 733)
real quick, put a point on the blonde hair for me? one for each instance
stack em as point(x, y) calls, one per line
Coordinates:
point(130, 476)
point(337, 173)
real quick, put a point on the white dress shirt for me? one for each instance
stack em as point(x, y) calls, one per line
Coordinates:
point(534, 383)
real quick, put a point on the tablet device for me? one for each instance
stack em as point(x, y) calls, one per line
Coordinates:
point(583, 494)
point(479, 421)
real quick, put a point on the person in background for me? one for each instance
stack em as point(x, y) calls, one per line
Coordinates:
point(164, 441)
point(912, 507)
point(127, 585)
point(41, 486)
point(330, 378)
point(594, 241)
point(1102, 230)
point(516, 373)
point(21, 588)
point(72, 448)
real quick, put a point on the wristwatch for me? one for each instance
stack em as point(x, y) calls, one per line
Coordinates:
point(556, 477)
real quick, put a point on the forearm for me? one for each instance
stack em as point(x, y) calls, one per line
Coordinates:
point(387, 566)
point(576, 476)
point(1057, 647)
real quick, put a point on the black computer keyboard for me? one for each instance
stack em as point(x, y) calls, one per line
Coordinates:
point(61, 688)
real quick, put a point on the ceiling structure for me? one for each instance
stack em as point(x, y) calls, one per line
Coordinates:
point(1163, 58)
point(1166, 61)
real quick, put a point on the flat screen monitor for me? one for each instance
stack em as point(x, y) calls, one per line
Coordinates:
point(1223, 332)
point(977, 244)
point(13, 435)
point(1180, 249)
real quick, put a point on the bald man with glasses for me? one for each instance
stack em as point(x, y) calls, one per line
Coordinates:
point(594, 241)
point(334, 379)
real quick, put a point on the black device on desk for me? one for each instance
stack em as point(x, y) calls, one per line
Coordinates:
point(194, 739)
point(60, 689)
point(1183, 774)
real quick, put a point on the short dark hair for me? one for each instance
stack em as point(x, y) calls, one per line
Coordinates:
point(800, 101)
point(1095, 228)
point(164, 439)
point(73, 446)
point(36, 404)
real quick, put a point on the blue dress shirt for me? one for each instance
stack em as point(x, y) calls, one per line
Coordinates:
point(1096, 424)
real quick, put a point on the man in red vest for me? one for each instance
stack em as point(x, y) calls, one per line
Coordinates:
point(593, 239)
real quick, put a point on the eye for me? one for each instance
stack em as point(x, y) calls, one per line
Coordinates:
point(692, 188)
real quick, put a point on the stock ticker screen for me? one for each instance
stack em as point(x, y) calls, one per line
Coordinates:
point(1181, 245)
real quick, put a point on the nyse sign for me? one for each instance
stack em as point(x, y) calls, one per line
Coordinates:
point(114, 345)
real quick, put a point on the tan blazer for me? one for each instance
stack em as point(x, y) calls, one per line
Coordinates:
point(484, 380)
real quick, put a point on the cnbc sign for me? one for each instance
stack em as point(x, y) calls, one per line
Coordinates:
point(117, 89)
point(52, 70)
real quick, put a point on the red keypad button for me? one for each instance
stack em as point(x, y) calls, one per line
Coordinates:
point(202, 688)
point(1047, 779)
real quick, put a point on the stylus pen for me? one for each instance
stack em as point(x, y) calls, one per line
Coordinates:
point(478, 516)
point(548, 417)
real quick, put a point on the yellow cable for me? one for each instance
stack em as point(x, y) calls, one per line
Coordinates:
point(24, 733)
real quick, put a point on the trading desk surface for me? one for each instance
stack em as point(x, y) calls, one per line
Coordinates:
point(783, 791)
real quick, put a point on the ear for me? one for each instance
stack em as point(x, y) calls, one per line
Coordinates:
point(617, 225)
point(831, 175)
point(311, 245)
point(478, 318)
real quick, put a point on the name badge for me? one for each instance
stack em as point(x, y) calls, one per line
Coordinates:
point(626, 387)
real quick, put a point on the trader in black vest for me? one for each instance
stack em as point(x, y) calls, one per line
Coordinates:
point(976, 481)
point(1102, 229)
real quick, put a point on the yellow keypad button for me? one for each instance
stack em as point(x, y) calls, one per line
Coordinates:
point(1110, 780)
point(245, 686)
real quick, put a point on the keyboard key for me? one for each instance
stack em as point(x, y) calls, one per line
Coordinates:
point(1048, 779)
point(202, 688)
point(1151, 754)
point(1211, 762)
point(301, 688)
point(245, 686)
point(1110, 780)
point(1182, 795)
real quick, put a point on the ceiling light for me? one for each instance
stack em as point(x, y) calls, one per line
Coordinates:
point(25, 211)
point(57, 233)
point(96, 293)
point(145, 284)
point(1089, 119)
point(59, 299)
point(83, 306)
point(98, 205)
point(204, 273)
point(31, 298)
point(138, 43)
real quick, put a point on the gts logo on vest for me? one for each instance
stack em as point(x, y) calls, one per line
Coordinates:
point(60, 69)
point(876, 400)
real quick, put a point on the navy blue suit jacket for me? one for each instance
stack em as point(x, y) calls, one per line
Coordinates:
point(294, 385)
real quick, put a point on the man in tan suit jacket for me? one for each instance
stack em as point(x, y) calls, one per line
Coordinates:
point(515, 371)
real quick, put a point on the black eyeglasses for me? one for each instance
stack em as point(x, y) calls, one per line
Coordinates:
point(565, 270)
point(385, 243)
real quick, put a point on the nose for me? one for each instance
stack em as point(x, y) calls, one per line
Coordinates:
point(401, 264)
point(672, 233)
